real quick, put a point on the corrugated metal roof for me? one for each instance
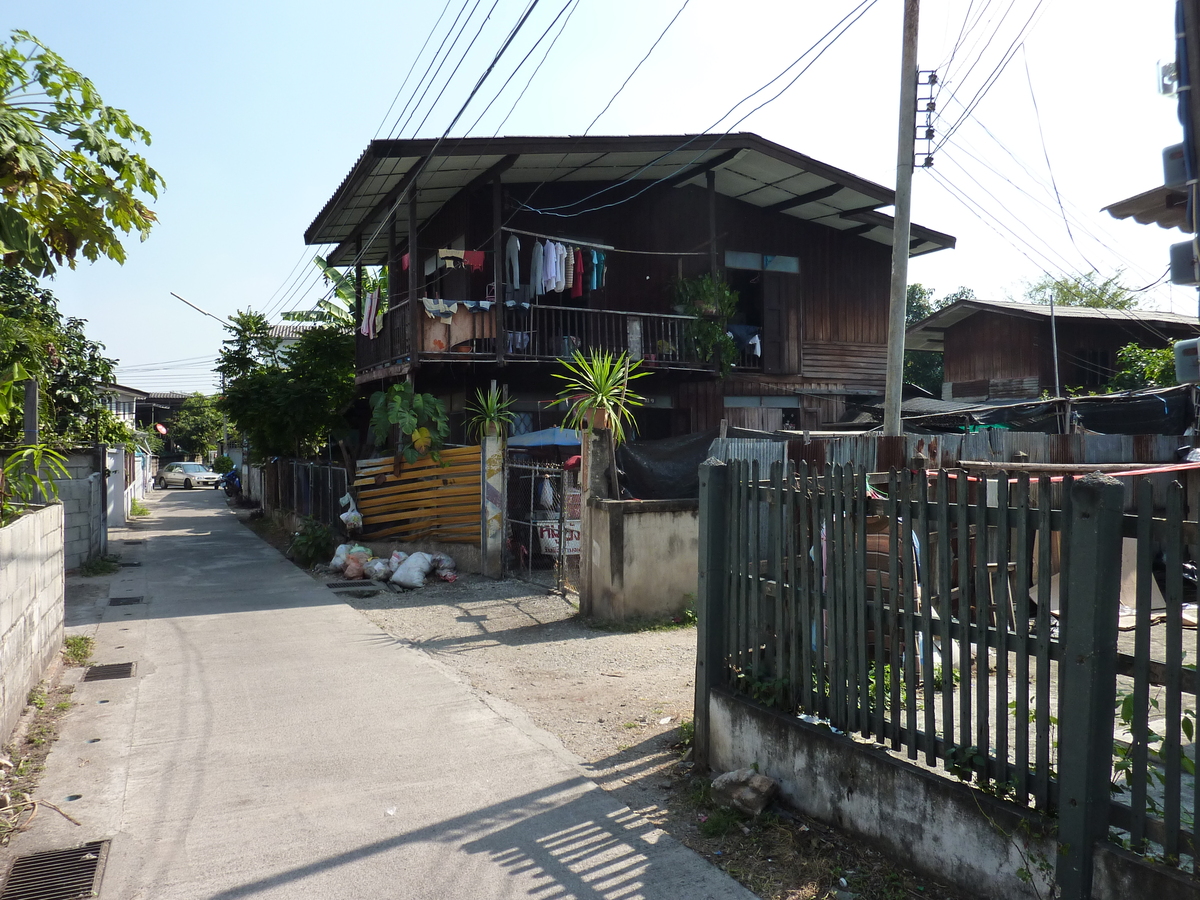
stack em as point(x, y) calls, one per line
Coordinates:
point(747, 167)
point(1163, 206)
point(928, 333)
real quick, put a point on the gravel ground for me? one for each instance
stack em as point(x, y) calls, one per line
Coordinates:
point(614, 698)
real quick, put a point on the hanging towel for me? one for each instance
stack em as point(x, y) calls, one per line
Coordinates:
point(440, 309)
point(577, 286)
point(473, 259)
point(369, 326)
point(512, 261)
point(570, 277)
point(536, 270)
point(404, 262)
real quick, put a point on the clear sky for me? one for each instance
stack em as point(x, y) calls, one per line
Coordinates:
point(258, 111)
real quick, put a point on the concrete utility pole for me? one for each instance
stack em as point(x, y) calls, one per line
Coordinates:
point(901, 229)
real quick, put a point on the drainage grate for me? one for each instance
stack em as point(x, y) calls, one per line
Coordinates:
point(57, 874)
point(346, 585)
point(129, 564)
point(124, 601)
point(138, 541)
point(107, 673)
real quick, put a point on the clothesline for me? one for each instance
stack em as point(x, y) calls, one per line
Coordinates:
point(594, 246)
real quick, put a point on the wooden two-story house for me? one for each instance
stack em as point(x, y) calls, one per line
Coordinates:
point(458, 222)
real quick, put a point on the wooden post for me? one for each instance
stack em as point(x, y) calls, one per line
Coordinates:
point(414, 262)
point(1088, 678)
point(498, 253)
point(710, 179)
point(711, 601)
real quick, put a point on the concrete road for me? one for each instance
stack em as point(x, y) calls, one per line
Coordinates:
point(273, 744)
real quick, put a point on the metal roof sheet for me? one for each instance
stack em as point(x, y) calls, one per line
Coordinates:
point(748, 168)
point(1163, 206)
point(929, 332)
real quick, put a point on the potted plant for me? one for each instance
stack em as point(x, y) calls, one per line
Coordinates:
point(597, 395)
point(491, 413)
point(712, 303)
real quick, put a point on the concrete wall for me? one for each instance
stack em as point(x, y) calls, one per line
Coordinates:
point(31, 606)
point(84, 515)
point(936, 825)
point(643, 557)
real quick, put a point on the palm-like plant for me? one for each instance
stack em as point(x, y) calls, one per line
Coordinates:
point(491, 412)
point(337, 309)
point(597, 392)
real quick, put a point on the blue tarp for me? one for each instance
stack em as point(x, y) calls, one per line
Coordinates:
point(547, 437)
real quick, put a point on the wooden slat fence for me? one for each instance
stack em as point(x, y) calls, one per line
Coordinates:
point(425, 500)
point(925, 614)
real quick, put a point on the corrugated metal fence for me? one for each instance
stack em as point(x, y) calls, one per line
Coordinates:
point(296, 486)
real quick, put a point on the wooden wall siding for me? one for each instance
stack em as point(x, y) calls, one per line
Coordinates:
point(1014, 388)
point(421, 501)
point(820, 402)
point(993, 345)
point(858, 366)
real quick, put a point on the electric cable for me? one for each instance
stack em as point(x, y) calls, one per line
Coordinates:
point(411, 68)
point(398, 129)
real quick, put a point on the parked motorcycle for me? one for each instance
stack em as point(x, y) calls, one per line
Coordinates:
point(232, 483)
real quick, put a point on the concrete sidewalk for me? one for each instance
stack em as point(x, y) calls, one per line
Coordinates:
point(273, 744)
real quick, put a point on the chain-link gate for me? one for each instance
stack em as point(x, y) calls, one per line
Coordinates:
point(542, 525)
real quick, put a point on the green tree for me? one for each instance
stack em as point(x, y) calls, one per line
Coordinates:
point(196, 427)
point(924, 368)
point(1141, 367)
point(1085, 289)
point(286, 402)
point(68, 366)
point(71, 179)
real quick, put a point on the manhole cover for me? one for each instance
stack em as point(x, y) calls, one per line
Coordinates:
point(57, 874)
point(124, 601)
point(107, 673)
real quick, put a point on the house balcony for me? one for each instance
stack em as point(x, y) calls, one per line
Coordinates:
point(535, 334)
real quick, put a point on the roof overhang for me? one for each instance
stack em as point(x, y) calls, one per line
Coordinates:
point(1163, 206)
point(746, 167)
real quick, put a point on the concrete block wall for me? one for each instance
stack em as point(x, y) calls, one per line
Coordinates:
point(32, 584)
point(83, 529)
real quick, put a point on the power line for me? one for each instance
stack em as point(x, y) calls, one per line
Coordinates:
point(411, 68)
point(629, 77)
point(852, 17)
point(428, 87)
point(397, 128)
point(537, 69)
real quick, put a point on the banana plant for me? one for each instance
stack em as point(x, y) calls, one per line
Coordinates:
point(337, 309)
point(421, 418)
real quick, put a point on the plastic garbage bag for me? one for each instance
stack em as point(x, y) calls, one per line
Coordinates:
point(397, 559)
point(352, 518)
point(338, 563)
point(443, 567)
point(377, 569)
point(412, 572)
point(356, 561)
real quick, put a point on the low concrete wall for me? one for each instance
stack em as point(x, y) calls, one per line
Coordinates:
point(643, 556)
point(951, 831)
point(934, 824)
point(83, 513)
point(32, 583)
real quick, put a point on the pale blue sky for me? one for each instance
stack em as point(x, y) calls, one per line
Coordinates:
point(258, 111)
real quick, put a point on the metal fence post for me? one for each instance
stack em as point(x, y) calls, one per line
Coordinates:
point(1088, 678)
point(711, 599)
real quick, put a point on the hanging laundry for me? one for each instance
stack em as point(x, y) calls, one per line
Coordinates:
point(549, 266)
point(404, 262)
point(512, 262)
point(439, 309)
point(601, 269)
point(592, 282)
point(560, 267)
point(577, 286)
point(477, 305)
point(473, 259)
point(536, 270)
point(371, 309)
point(570, 276)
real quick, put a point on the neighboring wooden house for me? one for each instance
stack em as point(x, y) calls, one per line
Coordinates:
point(1005, 351)
point(802, 242)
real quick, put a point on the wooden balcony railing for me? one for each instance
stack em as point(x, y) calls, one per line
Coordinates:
point(539, 333)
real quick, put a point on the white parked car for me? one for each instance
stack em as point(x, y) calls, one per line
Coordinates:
point(188, 475)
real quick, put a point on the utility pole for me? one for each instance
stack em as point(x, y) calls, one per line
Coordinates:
point(901, 228)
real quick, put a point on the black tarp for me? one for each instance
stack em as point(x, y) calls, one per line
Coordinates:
point(667, 469)
point(1168, 411)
